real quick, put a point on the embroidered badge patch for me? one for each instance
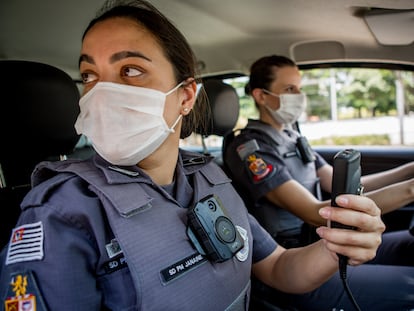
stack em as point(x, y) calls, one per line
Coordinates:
point(23, 294)
point(26, 243)
point(258, 167)
point(247, 148)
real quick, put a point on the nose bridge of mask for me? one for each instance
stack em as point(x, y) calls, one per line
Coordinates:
point(123, 95)
point(298, 100)
point(120, 98)
point(125, 88)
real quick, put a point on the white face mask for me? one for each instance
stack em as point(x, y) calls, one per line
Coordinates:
point(291, 107)
point(125, 123)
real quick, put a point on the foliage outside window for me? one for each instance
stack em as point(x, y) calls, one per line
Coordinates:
point(346, 106)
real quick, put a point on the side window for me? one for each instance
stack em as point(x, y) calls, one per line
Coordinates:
point(358, 106)
point(213, 143)
point(346, 106)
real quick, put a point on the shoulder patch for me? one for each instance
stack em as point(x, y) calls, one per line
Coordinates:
point(23, 293)
point(247, 148)
point(26, 243)
point(258, 167)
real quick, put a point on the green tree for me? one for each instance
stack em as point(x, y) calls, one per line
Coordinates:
point(408, 82)
point(315, 84)
point(370, 89)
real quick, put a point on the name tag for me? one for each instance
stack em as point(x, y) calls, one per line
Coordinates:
point(179, 268)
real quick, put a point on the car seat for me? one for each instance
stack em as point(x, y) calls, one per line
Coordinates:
point(224, 107)
point(36, 123)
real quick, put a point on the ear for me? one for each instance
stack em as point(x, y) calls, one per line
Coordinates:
point(190, 91)
point(258, 96)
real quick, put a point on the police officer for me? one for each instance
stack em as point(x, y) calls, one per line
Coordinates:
point(144, 225)
point(281, 177)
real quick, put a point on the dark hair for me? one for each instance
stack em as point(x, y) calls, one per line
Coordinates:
point(262, 74)
point(175, 46)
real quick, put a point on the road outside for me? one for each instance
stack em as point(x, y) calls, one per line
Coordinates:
point(381, 125)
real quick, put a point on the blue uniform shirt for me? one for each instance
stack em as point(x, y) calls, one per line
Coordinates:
point(92, 236)
point(261, 159)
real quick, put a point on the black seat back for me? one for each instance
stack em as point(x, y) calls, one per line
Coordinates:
point(224, 104)
point(36, 124)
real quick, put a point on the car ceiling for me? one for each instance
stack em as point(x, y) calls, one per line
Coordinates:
point(227, 35)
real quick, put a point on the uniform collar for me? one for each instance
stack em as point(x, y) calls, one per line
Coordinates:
point(190, 162)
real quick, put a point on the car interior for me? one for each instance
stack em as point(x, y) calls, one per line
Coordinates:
point(39, 50)
point(36, 125)
point(224, 105)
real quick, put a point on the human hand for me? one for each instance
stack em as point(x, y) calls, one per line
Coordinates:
point(361, 244)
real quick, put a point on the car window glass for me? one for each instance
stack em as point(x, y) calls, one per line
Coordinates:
point(346, 106)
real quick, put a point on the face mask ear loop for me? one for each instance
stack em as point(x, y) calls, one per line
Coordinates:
point(270, 93)
point(171, 129)
point(174, 89)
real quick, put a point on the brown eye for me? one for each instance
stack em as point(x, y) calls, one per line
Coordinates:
point(290, 89)
point(131, 72)
point(87, 77)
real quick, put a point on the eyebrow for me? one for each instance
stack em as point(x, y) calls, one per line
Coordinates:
point(115, 57)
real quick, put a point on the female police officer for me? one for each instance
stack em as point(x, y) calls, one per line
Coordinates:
point(119, 231)
point(287, 194)
point(275, 83)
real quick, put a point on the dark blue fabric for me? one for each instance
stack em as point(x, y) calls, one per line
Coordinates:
point(397, 248)
point(385, 283)
point(374, 287)
point(83, 213)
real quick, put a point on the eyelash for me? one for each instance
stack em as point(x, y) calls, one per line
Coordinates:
point(86, 77)
point(125, 69)
point(291, 89)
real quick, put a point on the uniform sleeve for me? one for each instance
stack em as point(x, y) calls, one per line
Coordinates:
point(263, 243)
point(320, 161)
point(259, 170)
point(52, 254)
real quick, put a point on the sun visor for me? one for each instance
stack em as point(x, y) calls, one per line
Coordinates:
point(385, 23)
point(317, 50)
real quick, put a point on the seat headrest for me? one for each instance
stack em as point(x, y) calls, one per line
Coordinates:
point(37, 119)
point(225, 107)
